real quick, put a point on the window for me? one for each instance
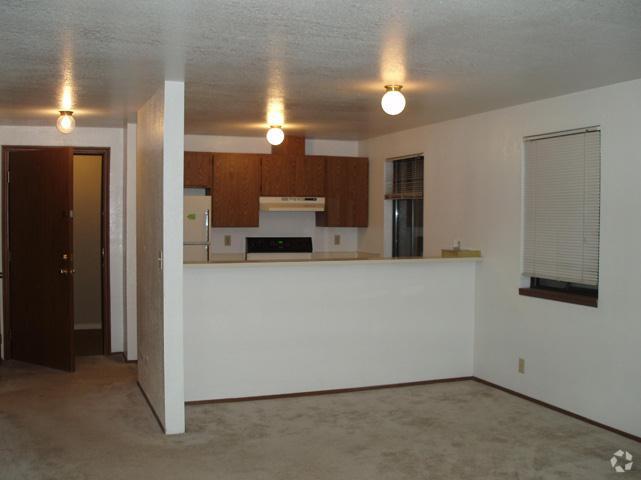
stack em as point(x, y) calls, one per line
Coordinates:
point(406, 191)
point(562, 216)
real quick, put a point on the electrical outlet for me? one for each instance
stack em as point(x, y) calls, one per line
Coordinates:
point(521, 365)
point(228, 240)
point(337, 239)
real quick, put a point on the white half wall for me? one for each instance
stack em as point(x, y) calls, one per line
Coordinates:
point(159, 188)
point(260, 329)
point(585, 360)
point(92, 137)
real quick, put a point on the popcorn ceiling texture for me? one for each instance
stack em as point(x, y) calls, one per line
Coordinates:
point(326, 62)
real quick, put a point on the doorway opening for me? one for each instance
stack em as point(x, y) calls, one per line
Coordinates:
point(55, 254)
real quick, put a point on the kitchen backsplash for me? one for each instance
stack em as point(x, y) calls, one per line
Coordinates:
point(287, 224)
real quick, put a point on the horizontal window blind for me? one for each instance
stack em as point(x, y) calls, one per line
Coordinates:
point(407, 180)
point(562, 208)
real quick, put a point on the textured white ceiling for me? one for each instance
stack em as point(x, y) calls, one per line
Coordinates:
point(325, 61)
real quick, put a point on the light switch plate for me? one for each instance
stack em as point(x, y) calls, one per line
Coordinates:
point(521, 365)
point(337, 239)
point(228, 240)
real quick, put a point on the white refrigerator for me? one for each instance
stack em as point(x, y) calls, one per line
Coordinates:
point(196, 223)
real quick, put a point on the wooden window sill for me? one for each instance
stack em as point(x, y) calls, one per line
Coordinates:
point(560, 296)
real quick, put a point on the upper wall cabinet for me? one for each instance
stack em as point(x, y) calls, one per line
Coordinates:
point(198, 169)
point(310, 176)
point(346, 193)
point(293, 176)
point(291, 145)
point(236, 190)
point(278, 176)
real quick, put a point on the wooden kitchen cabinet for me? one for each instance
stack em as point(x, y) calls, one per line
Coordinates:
point(278, 176)
point(292, 176)
point(292, 145)
point(310, 176)
point(236, 189)
point(198, 167)
point(346, 193)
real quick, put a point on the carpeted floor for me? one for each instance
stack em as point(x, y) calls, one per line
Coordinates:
point(95, 424)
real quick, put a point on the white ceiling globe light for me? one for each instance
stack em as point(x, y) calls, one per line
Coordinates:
point(393, 102)
point(66, 123)
point(275, 135)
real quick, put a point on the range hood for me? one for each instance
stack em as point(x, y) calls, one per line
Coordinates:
point(292, 204)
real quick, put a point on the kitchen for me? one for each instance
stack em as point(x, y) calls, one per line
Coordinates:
point(283, 194)
point(289, 194)
point(279, 298)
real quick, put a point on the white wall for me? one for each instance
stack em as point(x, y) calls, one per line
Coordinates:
point(267, 329)
point(149, 245)
point(582, 359)
point(87, 241)
point(92, 137)
point(231, 144)
point(287, 224)
point(280, 223)
point(173, 161)
point(159, 175)
point(334, 148)
point(131, 313)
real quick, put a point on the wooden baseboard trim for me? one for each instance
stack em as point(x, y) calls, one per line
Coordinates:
point(144, 395)
point(560, 410)
point(327, 392)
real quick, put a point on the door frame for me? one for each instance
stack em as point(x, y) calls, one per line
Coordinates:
point(104, 240)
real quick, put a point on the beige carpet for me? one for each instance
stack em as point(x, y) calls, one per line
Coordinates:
point(95, 424)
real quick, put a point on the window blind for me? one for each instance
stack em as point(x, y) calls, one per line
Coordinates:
point(562, 208)
point(407, 180)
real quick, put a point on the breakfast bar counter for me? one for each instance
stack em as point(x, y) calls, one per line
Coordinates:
point(269, 328)
point(331, 258)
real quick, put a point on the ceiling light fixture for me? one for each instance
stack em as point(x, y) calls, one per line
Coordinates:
point(66, 123)
point(393, 102)
point(275, 135)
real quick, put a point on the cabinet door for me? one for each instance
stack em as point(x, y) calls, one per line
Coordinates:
point(236, 190)
point(310, 176)
point(197, 169)
point(360, 191)
point(278, 176)
point(346, 193)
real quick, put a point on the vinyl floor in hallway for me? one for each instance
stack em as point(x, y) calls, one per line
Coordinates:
point(95, 424)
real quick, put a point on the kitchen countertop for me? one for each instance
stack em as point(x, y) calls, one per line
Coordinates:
point(324, 258)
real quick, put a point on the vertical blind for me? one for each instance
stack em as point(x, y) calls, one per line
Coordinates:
point(562, 207)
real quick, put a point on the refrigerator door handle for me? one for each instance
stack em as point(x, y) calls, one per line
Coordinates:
point(207, 248)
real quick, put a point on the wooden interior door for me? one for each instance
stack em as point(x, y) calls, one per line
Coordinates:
point(40, 200)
